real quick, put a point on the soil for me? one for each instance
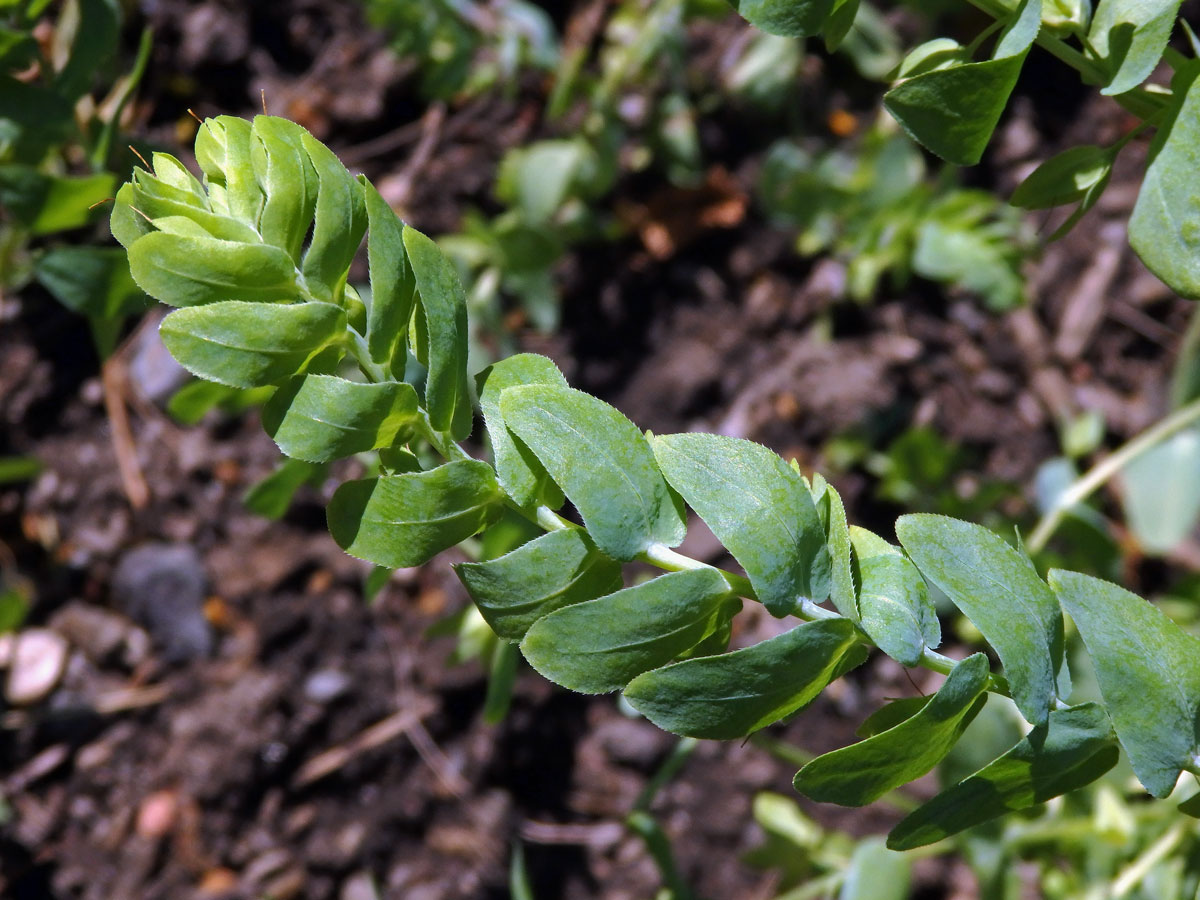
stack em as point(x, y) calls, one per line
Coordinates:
point(325, 741)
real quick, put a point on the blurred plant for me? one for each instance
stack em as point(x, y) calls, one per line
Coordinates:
point(874, 207)
point(56, 155)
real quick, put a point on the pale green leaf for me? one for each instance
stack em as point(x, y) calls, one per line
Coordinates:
point(731, 695)
point(250, 344)
point(340, 223)
point(876, 873)
point(893, 603)
point(288, 181)
point(393, 285)
point(1129, 37)
point(190, 271)
point(789, 18)
point(1067, 177)
point(405, 520)
point(603, 464)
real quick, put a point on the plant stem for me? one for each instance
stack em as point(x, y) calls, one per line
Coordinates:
point(1133, 874)
point(1139, 101)
point(1107, 468)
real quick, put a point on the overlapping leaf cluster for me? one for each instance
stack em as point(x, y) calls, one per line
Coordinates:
point(257, 256)
point(950, 100)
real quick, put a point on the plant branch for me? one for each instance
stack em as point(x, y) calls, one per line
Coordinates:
point(1107, 468)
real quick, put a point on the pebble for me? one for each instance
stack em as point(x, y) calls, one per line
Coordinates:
point(38, 659)
point(326, 685)
point(633, 742)
point(162, 587)
point(359, 886)
point(153, 371)
point(99, 633)
point(156, 816)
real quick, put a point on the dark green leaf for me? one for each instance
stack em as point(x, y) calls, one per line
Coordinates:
point(190, 271)
point(731, 695)
point(1148, 670)
point(341, 222)
point(95, 40)
point(393, 285)
point(755, 504)
point(603, 464)
point(1191, 806)
point(443, 313)
point(864, 772)
point(250, 344)
point(789, 18)
point(517, 469)
point(15, 469)
point(94, 282)
point(893, 603)
point(841, 582)
point(46, 204)
point(321, 418)
point(556, 570)
point(271, 497)
point(405, 520)
point(1000, 592)
point(603, 644)
point(1065, 178)
point(1165, 226)
point(502, 675)
point(890, 715)
point(1073, 749)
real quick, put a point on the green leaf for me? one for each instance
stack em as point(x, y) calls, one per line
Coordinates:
point(603, 464)
point(864, 772)
point(603, 644)
point(126, 224)
point(288, 182)
point(837, 531)
point(731, 695)
point(890, 715)
point(1148, 670)
point(1160, 493)
point(954, 110)
point(190, 271)
point(1000, 592)
point(556, 570)
point(876, 873)
point(1072, 750)
point(1191, 806)
point(893, 602)
point(393, 286)
point(250, 344)
point(755, 504)
point(1067, 177)
point(321, 417)
point(224, 151)
point(517, 469)
point(96, 38)
point(46, 204)
point(15, 469)
point(443, 312)
point(271, 497)
point(405, 520)
point(341, 222)
point(94, 282)
point(789, 18)
point(1129, 37)
point(1165, 226)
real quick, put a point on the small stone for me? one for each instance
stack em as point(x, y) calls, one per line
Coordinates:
point(99, 633)
point(153, 371)
point(156, 816)
point(38, 659)
point(326, 685)
point(162, 587)
point(633, 742)
point(359, 886)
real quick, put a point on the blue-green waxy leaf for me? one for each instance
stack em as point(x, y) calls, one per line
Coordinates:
point(756, 505)
point(789, 18)
point(1129, 37)
point(864, 772)
point(1148, 670)
point(341, 222)
point(893, 602)
point(393, 285)
point(443, 313)
point(1165, 226)
point(731, 695)
point(1072, 750)
point(517, 469)
point(603, 464)
point(405, 520)
point(321, 417)
point(998, 590)
point(190, 271)
point(558, 569)
point(603, 644)
point(288, 182)
point(953, 110)
point(247, 345)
